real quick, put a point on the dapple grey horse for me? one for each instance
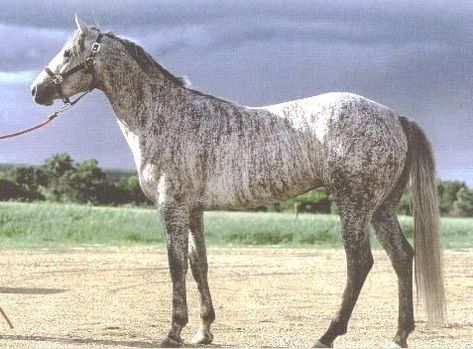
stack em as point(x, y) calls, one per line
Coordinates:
point(196, 152)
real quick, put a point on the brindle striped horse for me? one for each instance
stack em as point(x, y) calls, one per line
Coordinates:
point(196, 152)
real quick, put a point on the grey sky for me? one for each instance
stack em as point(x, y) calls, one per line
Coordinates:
point(416, 58)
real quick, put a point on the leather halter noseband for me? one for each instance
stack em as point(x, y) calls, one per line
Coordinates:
point(87, 66)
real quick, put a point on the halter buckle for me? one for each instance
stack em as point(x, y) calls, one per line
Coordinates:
point(95, 48)
point(57, 79)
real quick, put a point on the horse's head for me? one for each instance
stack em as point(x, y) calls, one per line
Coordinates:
point(72, 70)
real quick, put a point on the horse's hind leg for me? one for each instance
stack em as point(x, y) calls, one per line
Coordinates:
point(389, 233)
point(356, 241)
point(199, 267)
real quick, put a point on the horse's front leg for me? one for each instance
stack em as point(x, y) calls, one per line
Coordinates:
point(199, 267)
point(175, 219)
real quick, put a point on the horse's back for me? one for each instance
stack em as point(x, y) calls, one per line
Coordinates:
point(337, 112)
point(361, 143)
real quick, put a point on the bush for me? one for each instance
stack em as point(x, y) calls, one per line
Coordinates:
point(9, 190)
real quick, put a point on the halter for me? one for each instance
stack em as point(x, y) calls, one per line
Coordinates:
point(87, 66)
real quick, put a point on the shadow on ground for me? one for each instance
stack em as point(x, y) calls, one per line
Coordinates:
point(90, 341)
point(30, 290)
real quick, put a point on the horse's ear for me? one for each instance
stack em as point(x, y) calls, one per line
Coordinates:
point(83, 28)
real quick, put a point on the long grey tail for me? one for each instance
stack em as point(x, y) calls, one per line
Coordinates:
point(427, 244)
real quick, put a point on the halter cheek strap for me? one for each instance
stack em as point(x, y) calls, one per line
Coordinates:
point(87, 66)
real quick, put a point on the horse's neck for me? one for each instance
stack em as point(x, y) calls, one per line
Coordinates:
point(141, 102)
point(156, 109)
point(132, 97)
point(149, 110)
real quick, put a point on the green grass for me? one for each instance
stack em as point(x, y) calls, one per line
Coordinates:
point(45, 224)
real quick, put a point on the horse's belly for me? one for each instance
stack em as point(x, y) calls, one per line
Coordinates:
point(246, 190)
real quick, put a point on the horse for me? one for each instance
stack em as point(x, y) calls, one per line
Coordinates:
point(196, 152)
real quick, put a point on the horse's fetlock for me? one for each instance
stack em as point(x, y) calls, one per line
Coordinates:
point(407, 328)
point(208, 315)
point(181, 318)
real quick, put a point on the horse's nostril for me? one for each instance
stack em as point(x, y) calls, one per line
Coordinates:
point(34, 90)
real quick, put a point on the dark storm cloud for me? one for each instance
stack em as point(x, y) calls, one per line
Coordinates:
point(57, 13)
point(166, 26)
point(24, 48)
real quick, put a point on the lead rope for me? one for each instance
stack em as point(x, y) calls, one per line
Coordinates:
point(6, 318)
point(46, 121)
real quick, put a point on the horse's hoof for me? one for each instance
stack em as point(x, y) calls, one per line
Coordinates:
point(171, 343)
point(319, 344)
point(393, 345)
point(202, 337)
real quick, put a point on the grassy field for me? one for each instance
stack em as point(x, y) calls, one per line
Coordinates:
point(45, 224)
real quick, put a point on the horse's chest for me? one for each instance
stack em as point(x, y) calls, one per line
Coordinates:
point(147, 172)
point(133, 141)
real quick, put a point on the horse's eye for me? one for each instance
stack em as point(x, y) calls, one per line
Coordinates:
point(67, 53)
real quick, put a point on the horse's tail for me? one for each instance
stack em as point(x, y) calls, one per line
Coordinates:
point(427, 245)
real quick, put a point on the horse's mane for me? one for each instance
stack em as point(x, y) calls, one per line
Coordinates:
point(149, 65)
point(146, 61)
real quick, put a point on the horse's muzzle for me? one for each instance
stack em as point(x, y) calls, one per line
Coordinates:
point(42, 95)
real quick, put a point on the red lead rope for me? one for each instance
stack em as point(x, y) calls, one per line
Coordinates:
point(22, 132)
point(46, 121)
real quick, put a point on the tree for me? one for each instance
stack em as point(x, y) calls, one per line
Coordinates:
point(58, 164)
point(56, 167)
point(86, 184)
point(447, 191)
point(30, 179)
point(135, 193)
point(463, 206)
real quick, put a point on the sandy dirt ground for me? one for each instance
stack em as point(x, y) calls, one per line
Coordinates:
point(120, 297)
